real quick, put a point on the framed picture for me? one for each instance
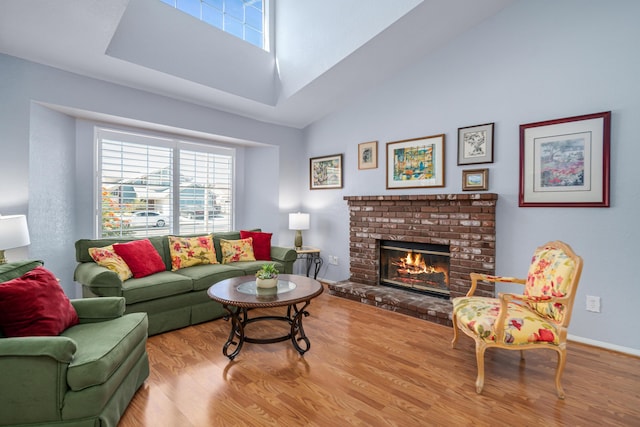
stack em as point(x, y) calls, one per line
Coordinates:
point(416, 163)
point(565, 162)
point(368, 155)
point(475, 144)
point(325, 172)
point(475, 180)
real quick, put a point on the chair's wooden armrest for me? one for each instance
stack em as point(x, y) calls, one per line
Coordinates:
point(476, 277)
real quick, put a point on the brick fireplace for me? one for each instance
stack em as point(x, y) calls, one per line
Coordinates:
point(463, 222)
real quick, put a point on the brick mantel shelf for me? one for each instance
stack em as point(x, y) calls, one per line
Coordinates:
point(464, 222)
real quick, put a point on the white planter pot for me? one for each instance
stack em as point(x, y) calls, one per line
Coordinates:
point(266, 283)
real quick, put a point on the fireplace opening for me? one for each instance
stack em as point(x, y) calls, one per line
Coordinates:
point(417, 267)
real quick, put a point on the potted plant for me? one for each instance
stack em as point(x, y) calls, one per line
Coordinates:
point(267, 276)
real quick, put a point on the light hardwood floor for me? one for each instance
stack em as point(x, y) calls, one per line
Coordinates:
point(371, 367)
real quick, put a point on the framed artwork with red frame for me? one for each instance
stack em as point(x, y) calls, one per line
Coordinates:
point(565, 162)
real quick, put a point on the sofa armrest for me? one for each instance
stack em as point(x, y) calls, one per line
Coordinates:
point(34, 378)
point(91, 310)
point(286, 256)
point(102, 281)
point(280, 253)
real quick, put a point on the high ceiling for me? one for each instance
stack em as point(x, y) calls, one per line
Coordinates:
point(118, 41)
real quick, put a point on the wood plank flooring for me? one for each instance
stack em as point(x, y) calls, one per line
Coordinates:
point(372, 367)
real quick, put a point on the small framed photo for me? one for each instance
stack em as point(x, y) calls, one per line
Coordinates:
point(325, 172)
point(475, 180)
point(416, 163)
point(565, 162)
point(475, 144)
point(368, 155)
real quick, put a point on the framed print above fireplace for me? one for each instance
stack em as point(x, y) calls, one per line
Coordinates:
point(475, 144)
point(565, 162)
point(416, 163)
point(325, 172)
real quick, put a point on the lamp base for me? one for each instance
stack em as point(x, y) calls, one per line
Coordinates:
point(297, 241)
point(3, 260)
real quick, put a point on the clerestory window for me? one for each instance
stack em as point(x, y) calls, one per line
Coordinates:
point(149, 185)
point(241, 18)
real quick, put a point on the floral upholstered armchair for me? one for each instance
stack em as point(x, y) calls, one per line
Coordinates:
point(538, 318)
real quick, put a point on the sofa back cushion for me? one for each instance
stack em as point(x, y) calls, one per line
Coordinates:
point(13, 270)
point(34, 304)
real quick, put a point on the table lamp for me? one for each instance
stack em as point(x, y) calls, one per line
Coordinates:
point(298, 221)
point(14, 233)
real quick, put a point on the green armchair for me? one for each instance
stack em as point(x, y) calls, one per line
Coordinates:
point(86, 376)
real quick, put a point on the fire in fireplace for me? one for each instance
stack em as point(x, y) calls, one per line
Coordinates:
point(418, 267)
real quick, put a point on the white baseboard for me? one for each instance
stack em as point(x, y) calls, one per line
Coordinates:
point(606, 345)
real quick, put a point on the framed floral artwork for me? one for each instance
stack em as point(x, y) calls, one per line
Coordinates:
point(416, 163)
point(368, 155)
point(475, 144)
point(325, 172)
point(565, 162)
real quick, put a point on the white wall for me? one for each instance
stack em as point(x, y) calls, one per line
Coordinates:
point(534, 61)
point(46, 170)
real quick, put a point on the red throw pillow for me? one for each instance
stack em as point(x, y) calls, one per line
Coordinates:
point(261, 244)
point(35, 305)
point(141, 257)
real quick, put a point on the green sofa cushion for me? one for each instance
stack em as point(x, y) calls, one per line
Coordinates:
point(157, 285)
point(102, 347)
point(204, 276)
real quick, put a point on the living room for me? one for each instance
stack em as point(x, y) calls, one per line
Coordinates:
point(524, 62)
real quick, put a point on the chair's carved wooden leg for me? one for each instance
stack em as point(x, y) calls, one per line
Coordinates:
point(480, 348)
point(562, 359)
point(455, 331)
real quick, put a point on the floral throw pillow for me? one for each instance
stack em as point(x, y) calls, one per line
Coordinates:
point(107, 257)
point(237, 250)
point(189, 251)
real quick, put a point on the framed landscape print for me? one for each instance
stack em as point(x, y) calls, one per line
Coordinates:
point(475, 180)
point(325, 172)
point(565, 162)
point(416, 163)
point(475, 144)
point(368, 155)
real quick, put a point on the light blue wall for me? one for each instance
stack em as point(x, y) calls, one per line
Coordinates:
point(534, 61)
point(47, 166)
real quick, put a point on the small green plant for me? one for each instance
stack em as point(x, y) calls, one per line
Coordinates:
point(268, 271)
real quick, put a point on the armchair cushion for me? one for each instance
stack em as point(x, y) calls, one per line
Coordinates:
point(550, 272)
point(522, 326)
point(102, 347)
point(35, 305)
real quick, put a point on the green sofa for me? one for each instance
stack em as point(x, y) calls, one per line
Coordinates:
point(86, 376)
point(172, 299)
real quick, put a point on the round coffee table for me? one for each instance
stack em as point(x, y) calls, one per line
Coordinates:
point(239, 294)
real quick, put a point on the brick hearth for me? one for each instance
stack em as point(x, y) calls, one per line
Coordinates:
point(464, 222)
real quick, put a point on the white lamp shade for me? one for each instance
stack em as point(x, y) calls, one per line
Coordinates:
point(298, 221)
point(14, 232)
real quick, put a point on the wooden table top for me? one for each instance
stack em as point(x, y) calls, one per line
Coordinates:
point(243, 292)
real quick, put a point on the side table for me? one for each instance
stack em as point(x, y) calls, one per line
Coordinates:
point(312, 255)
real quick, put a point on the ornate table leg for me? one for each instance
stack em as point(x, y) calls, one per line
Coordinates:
point(297, 331)
point(237, 330)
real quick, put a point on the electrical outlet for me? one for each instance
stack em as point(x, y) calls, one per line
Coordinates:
point(593, 304)
point(333, 260)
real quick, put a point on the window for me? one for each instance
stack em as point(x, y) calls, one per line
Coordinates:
point(241, 18)
point(154, 186)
